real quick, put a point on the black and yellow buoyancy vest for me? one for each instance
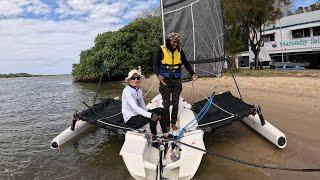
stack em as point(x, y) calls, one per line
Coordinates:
point(171, 63)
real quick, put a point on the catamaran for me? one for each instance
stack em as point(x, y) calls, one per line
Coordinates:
point(201, 26)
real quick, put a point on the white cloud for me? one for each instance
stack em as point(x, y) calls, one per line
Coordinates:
point(14, 8)
point(37, 7)
point(11, 8)
point(44, 43)
point(74, 7)
point(51, 46)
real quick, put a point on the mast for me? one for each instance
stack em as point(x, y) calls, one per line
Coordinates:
point(194, 40)
point(162, 19)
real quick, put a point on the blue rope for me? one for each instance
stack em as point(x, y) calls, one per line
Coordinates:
point(203, 114)
point(198, 117)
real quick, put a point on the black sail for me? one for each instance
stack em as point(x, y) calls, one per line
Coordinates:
point(200, 24)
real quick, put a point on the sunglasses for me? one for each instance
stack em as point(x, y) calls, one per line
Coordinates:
point(135, 78)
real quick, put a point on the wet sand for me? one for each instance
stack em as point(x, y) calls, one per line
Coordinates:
point(292, 104)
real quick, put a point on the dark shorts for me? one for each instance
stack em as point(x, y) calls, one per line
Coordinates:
point(139, 121)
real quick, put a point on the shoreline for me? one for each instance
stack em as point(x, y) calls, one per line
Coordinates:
point(7, 76)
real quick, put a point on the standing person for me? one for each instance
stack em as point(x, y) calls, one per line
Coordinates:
point(134, 110)
point(167, 66)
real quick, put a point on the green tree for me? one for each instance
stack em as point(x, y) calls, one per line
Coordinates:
point(249, 16)
point(236, 39)
point(256, 14)
point(119, 51)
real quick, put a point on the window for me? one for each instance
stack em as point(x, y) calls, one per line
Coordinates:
point(243, 61)
point(297, 33)
point(268, 37)
point(300, 33)
point(306, 32)
point(316, 31)
point(272, 37)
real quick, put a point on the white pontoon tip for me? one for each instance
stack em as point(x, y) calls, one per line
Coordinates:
point(68, 134)
point(268, 131)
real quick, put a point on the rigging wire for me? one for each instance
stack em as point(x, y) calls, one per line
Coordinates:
point(234, 79)
point(253, 164)
point(98, 89)
point(104, 69)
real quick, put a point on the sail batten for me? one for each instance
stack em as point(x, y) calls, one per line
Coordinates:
point(200, 24)
point(174, 3)
point(209, 60)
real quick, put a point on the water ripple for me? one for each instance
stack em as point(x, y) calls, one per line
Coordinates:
point(33, 111)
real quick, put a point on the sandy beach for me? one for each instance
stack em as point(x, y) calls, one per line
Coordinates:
point(292, 104)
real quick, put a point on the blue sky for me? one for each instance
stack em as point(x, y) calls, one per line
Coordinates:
point(302, 3)
point(47, 36)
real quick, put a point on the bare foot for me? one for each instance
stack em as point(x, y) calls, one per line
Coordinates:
point(174, 127)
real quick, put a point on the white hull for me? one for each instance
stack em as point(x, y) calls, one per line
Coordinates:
point(142, 159)
point(68, 134)
point(268, 131)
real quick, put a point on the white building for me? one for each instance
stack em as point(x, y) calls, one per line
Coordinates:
point(294, 39)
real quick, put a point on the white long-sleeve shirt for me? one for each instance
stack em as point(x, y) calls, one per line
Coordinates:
point(133, 103)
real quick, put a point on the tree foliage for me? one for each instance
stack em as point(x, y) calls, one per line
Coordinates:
point(116, 52)
point(236, 39)
point(248, 17)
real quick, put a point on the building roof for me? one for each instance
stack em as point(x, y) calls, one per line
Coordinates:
point(295, 20)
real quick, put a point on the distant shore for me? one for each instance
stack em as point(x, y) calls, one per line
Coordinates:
point(13, 75)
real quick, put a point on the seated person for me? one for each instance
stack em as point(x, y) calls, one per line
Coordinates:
point(134, 111)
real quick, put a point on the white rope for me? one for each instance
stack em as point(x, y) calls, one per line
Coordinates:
point(120, 127)
point(216, 121)
point(192, 92)
point(112, 116)
point(154, 82)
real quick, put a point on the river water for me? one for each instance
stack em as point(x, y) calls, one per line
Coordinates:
point(34, 110)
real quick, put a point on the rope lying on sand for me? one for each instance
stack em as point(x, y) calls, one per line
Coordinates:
point(247, 162)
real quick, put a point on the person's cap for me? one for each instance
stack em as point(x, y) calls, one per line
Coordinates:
point(135, 71)
point(174, 35)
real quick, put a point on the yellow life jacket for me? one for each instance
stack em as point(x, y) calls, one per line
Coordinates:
point(171, 63)
point(173, 60)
